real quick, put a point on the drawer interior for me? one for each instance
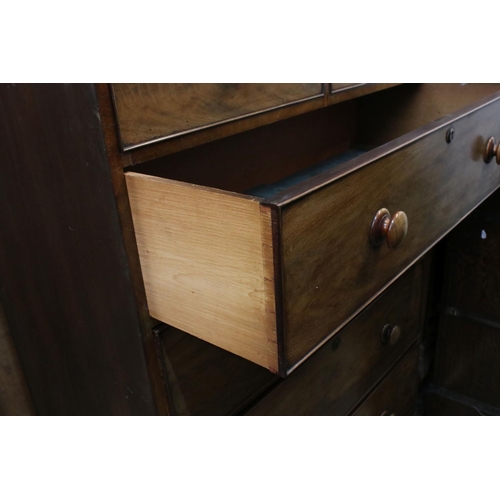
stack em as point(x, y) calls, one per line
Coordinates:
point(265, 161)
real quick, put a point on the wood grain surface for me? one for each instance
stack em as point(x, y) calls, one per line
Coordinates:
point(387, 115)
point(263, 155)
point(66, 285)
point(207, 262)
point(397, 393)
point(331, 269)
point(345, 369)
point(150, 112)
point(114, 156)
point(219, 131)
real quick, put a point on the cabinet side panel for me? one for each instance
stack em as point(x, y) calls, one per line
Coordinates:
point(202, 255)
point(65, 278)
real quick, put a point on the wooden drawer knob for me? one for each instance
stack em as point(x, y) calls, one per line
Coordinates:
point(391, 229)
point(492, 151)
point(390, 334)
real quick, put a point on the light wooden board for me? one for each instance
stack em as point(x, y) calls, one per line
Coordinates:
point(207, 264)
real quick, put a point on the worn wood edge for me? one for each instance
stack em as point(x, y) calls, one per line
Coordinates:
point(278, 287)
point(308, 186)
point(382, 289)
point(109, 129)
point(269, 286)
point(199, 187)
point(130, 147)
point(265, 336)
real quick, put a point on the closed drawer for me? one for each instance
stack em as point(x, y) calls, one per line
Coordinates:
point(345, 369)
point(272, 274)
point(149, 112)
point(397, 393)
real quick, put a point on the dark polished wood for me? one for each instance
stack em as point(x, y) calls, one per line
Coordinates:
point(397, 394)
point(205, 380)
point(330, 267)
point(151, 112)
point(205, 135)
point(345, 369)
point(113, 153)
point(408, 107)
point(66, 284)
point(391, 229)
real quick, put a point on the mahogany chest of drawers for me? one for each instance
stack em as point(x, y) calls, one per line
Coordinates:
point(261, 249)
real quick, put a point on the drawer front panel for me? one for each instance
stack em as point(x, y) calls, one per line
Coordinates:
point(345, 369)
point(330, 267)
point(149, 112)
point(397, 394)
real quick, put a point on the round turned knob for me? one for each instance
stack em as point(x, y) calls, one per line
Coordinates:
point(391, 229)
point(390, 334)
point(492, 151)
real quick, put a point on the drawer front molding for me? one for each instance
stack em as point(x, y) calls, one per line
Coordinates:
point(149, 113)
point(345, 370)
point(272, 278)
point(330, 266)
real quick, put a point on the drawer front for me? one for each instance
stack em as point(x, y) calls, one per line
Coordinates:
point(345, 369)
point(331, 268)
point(397, 393)
point(149, 112)
point(205, 380)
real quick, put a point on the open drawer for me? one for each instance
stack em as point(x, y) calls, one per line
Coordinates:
point(271, 272)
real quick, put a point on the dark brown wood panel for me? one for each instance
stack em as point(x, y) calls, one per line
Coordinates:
point(263, 155)
point(66, 285)
point(468, 359)
point(231, 128)
point(330, 267)
point(468, 353)
point(473, 262)
point(149, 112)
point(205, 380)
point(397, 394)
point(403, 109)
point(14, 394)
point(344, 370)
point(113, 152)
